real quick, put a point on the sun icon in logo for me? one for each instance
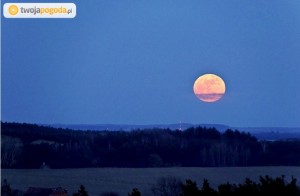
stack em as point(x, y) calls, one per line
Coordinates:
point(13, 10)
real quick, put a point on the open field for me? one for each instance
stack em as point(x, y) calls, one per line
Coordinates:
point(122, 180)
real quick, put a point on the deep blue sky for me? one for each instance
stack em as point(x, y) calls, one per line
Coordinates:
point(135, 62)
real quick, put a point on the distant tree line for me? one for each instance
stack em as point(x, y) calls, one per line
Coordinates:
point(171, 186)
point(266, 186)
point(34, 146)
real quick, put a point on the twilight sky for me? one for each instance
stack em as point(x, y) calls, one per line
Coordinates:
point(135, 62)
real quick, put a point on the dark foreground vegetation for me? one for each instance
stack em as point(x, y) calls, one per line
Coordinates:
point(32, 146)
point(175, 187)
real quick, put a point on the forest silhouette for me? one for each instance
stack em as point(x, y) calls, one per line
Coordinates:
point(33, 146)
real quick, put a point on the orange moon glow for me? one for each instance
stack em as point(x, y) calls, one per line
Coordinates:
point(209, 88)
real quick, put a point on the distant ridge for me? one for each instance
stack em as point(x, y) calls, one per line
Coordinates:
point(262, 133)
point(127, 127)
point(272, 133)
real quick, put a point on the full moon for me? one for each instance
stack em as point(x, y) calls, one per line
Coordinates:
point(209, 88)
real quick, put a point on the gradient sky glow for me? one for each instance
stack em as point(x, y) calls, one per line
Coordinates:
point(135, 62)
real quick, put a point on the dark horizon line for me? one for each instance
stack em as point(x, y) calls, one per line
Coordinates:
point(153, 124)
